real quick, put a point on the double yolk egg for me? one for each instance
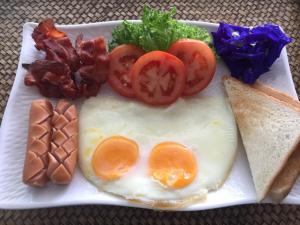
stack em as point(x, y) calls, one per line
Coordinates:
point(163, 156)
point(170, 163)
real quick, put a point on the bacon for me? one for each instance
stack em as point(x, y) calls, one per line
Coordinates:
point(52, 78)
point(89, 88)
point(61, 50)
point(45, 30)
point(92, 50)
point(55, 44)
point(95, 64)
point(55, 76)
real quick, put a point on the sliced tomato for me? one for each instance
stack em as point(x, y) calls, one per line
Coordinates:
point(200, 63)
point(121, 60)
point(158, 78)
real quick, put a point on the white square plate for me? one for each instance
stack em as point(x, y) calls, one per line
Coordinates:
point(238, 188)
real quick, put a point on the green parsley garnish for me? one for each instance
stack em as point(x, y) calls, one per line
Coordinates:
point(157, 31)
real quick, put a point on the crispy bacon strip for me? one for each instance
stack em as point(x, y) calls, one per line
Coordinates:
point(45, 30)
point(55, 44)
point(52, 78)
point(95, 64)
point(92, 50)
point(55, 76)
point(61, 50)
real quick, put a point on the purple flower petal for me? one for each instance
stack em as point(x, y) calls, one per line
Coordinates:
point(249, 52)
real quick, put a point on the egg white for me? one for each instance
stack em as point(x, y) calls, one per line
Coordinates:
point(205, 125)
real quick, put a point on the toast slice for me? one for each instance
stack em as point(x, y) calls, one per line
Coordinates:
point(269, 123)
point(286, 178)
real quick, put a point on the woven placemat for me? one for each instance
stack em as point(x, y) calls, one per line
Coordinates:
point(14, 13)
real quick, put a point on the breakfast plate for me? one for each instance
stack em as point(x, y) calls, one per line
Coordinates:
point(237, 189)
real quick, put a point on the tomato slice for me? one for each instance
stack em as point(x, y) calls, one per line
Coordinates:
point(121, 60)
point(158, 78)
point(200, 63)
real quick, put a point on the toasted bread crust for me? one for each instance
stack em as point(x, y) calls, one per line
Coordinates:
point(271, 92)
point(286, 179)
point(278, 95)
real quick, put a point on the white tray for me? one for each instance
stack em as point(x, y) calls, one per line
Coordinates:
point(238, 188)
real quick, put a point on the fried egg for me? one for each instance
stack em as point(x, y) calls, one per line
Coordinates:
point(162, 156)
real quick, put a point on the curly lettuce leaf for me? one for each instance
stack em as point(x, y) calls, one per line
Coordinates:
point(157, 31)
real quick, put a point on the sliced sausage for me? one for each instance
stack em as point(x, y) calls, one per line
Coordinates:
point(64, 143)
point(38, 143)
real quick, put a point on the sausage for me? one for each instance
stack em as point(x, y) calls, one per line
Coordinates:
point(38, 143)
point(64, 143)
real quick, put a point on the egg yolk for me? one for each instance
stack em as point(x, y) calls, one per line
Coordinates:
point(114, 157)
point(172, 164)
